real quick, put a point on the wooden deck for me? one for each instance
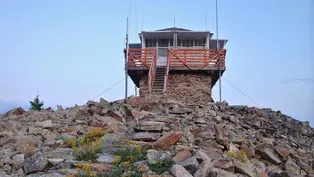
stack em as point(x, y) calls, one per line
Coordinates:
point(179, 59)
point(143, 62)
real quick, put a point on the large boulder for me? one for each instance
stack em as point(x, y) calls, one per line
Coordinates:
point(35, 163)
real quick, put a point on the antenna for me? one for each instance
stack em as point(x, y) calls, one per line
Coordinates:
point(142, 23)
point(218, 51)
point(126, 53)
point(174, 22)
point(135, 88)
point(135, 22)
point(205, 21)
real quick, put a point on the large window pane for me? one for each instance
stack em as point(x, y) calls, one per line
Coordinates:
point(150, 43)
point(163, 42)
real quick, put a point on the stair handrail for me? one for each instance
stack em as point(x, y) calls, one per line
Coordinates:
point(151, 73)
point(166, 74)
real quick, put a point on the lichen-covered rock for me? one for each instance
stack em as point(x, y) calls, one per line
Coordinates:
point(60, 153)
point(37, 162)
point(154, 156)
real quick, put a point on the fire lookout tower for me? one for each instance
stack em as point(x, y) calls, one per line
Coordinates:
point(178, 63)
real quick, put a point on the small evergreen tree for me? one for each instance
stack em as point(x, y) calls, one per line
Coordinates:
point(36, 104)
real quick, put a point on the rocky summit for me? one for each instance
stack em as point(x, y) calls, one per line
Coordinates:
point(154, 139)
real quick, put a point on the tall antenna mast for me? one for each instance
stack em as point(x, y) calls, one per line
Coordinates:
point(205, 21)
point(218, 51)
point(127, 52)
point(135, 17)
point(135, 40)
point(142, 23)
point(174, 22)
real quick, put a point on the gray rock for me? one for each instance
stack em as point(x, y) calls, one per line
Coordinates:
point(37, 162)
point(204, 169)
point(245, 169)
point(305, 167)
point(202, 156)
point(104, 103)
point(190, 164)
point(179, 171)
point(292, 168)
point(35, 131)
point(19, 161)
point(154, 156)
point(218, 118)
point(212, 113)
point(4, 174)
point(54, 174)
point(62, 165)
point(19, 173)
point(105, 158)
point(154, 128)
point(60, 153)
point(55, 161)
point(187, 137)
point(269, 155)
point(216, 172)
point(178, 110)
point(7, 168)
point(44, 124)
point(146, 136)
point(111, 141)
point(200, 121)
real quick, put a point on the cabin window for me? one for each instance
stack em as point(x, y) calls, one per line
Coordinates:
point(187, 43)
point(179, 43)
point(171, 42)
point(150, 43)
point(163, 42)
point(200, 42)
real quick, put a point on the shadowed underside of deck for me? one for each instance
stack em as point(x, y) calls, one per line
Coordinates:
point(136, 74)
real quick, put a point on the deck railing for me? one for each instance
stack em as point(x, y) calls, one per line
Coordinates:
point(196, 58)
point(192, 59)
point(151, 73)
point(141, 57)
point(166, 76)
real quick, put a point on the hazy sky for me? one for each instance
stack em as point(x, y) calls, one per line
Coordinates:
point(70, 51)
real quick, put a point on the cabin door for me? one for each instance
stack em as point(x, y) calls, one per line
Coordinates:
point(162, 55)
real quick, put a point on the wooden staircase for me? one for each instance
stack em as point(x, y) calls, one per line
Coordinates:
point(159, 80)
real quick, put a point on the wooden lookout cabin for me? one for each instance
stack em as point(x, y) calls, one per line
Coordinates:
point(178, 63)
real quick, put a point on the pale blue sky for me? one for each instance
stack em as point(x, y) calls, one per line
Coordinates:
point(70, 51)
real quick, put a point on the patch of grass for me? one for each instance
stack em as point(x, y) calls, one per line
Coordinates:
point(125, 159)
point(162, 166)
point(241, 156)
point(87, 147)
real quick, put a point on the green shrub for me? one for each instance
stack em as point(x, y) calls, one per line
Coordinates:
point(162, 166)
point(36, 104)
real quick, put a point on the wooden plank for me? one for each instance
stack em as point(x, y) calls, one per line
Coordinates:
point(171, 52)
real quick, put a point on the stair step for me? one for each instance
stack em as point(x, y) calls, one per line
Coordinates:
point(157, 90)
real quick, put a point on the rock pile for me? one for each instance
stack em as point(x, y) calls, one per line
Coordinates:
point(171, 139)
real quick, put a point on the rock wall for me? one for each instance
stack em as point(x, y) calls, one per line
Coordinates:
point(143, 86)
point(189, 88)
